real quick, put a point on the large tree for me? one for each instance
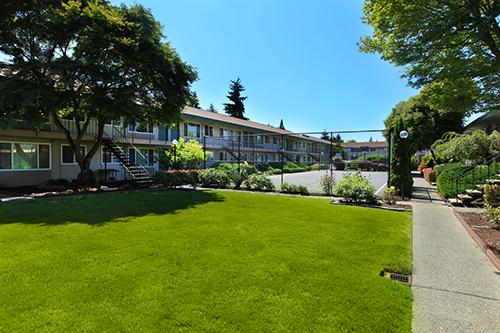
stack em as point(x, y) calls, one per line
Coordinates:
point(236, 108)
point(439, 40)
point(88, 61)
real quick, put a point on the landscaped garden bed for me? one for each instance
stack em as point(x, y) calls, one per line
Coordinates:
point(489, 236)
point(160, 260)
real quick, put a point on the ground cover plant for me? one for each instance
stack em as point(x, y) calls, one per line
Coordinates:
point(158, 260)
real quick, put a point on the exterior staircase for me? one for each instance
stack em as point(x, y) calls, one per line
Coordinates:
point(286, 156)
point(470, 183)
point(138, 174)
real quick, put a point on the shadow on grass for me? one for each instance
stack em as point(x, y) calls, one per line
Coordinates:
point(103, 208)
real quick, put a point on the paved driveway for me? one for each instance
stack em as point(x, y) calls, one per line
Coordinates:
point(311, 179)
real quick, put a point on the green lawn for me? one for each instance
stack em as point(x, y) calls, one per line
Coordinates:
point(201, 261)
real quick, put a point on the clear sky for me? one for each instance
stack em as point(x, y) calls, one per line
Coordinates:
point(298, 60)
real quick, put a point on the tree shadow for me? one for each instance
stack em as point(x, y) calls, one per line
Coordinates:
point(101, 209)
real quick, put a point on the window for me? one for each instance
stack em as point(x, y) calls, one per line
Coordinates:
point(24, 156)
point(142, 128)
point(275, 140)
point(223, 132)
point(258, 139)
point(109, 157)
point(146, 157)
point(209, 130)
point(5, 156)
point(192, 130)
point(67, 155)
point(116, 122)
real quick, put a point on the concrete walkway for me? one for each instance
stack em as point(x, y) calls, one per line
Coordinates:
point(455, 287)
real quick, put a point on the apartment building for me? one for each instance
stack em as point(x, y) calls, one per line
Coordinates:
point(130, 151)
point(361, 150)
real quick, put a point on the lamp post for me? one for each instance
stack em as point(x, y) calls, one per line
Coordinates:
point(174, 147)
point(403, 135)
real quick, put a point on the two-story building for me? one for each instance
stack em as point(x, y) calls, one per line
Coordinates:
point(30, 157)
point(361, 150)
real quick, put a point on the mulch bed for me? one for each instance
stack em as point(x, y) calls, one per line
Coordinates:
point(479, 224)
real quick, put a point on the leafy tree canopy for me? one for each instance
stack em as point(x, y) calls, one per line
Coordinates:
point(477, 146)
point(439, 41)
point(87, 60)
point(193, 101)
point(185, 155)
point(236, 107)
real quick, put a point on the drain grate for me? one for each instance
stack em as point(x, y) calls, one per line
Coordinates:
point(398, 277)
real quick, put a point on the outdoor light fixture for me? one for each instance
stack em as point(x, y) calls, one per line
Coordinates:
point(403, 135)
point(174, 146)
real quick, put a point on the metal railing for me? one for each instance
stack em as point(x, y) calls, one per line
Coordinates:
point(476, 174)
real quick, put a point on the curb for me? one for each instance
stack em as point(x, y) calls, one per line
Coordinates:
point(493, 258)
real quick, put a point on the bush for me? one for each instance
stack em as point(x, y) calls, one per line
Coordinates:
point(492, 195)
point(493, 216)
point(259, 182)
point(177, 178)
point(319, 166)
point(492, 200)
point(327, 183)
point(291, 167)
point(294, 189)
point(237, 174)
point(356, 188)
point(389, 196)
point(213, 178)
point(377, 158)
point(448, 174)
point(54, 185)
point(339, 164)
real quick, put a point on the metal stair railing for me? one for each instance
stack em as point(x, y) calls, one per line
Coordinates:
point(469, 177)
point(118, 133)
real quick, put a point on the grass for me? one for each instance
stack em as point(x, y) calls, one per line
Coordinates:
point(147, 261)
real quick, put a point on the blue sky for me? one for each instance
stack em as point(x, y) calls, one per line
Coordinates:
point(298, 60)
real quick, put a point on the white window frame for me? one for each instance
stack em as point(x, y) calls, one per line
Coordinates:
point(114, 159)
point(210, 131)
point(135, 126)
point(75, 162)
point(186, 134)
point(37, 156)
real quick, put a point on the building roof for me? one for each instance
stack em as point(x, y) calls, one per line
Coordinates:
point(373, 144)
point(247, 123)
point(489, 118)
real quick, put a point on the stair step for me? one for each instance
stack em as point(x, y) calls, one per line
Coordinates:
point(474, 193)
point(465, 198)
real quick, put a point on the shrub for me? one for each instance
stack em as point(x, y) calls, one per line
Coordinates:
point(327, 183)
point(291, 167)
point(492, 200)
point(389, 196)
point(294, 189)
point(319, 166)
point(356, 188)
point(492, 195)
point(213, 178)
point(237, 174)
point(448, 174)
point(339, 164)
point(259, 182)
point(54, 185)
point(376, 158)
point(493, 216)
point(175, 178)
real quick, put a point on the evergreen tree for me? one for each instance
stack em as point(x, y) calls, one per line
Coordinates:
point(400, 159)
point(236, 108)
point(193, 101)
point(325, 135)
point(281, 125)
point(212, 108)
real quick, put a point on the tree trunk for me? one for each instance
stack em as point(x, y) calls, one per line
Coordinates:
point(86, 176)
